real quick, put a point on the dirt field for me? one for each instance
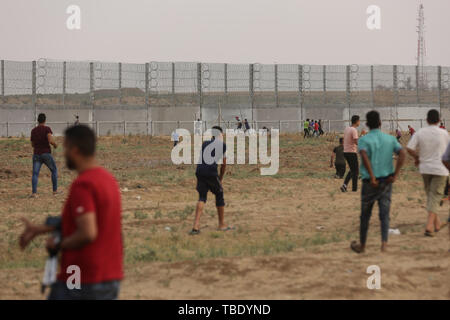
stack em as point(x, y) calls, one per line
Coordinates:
point(292, 236)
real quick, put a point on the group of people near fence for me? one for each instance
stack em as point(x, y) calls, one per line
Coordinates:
point(430, 149)
point(312, 128)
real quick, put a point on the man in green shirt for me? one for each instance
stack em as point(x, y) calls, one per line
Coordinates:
point(378, 175)
point(306, 128)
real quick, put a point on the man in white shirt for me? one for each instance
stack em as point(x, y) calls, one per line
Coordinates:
point(175, 137)
point(427, 147)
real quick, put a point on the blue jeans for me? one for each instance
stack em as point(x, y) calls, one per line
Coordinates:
point(370, 195)
point(47, 159)
point(96, 291)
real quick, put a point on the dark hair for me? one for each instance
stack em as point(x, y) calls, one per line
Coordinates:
point(307, 119)
point(355, 119)
point(373, 119)
point(217, 128)
point(83, 138)
point(433, 116)
point(41, 118)
point(341, 140)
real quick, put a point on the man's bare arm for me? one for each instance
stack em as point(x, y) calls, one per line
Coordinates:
point(31, 231)
point(368, 166)
point(332, 159)
point(222, 169)
point(414, 154)
point(51, 140)
point(446, 164)
point(85, 233)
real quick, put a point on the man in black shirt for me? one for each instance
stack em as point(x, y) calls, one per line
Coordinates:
point(208, 179)
point(339, 160)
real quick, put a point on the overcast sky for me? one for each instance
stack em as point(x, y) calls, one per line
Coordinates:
point(233, 31)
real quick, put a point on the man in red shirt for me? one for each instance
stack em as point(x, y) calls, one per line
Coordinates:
point(91, 236)
point(41, 139)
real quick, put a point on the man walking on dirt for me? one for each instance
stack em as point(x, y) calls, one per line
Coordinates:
point(427, 146)
point(350, 154)
point(338, 159)
point(41, 139)
point(208, 179)
point(378, 175)
point(91, 236)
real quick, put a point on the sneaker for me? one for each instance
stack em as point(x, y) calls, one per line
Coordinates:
point(344, 188)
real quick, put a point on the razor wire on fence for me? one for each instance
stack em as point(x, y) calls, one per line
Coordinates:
point(214, 92)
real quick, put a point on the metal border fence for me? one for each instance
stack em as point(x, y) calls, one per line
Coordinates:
point(247, 90)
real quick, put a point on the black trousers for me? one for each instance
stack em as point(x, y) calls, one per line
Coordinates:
point(352, 160)
point(340, 169)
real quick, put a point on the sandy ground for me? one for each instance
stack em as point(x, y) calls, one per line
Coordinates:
point(291, 241)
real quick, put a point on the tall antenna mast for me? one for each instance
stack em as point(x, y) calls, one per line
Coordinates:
point(421, 49)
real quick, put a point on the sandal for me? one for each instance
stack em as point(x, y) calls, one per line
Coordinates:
point(355, 246)
point(194, 232)
point(428, 234)
point(227, 229)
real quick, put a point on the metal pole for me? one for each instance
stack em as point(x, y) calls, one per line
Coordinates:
point(173, 85)
point(300, 90)
point(33, 89)
point(225, 78)
point(276, 86)
point(347, 82)
point(91, 89)
point(147, 100)
point(417, 85)
point(440, 88)
point(120, 83)
point(324, 75)
point(7, 129)
point(199, 88)
point(395, 97)
point(124, 128)
point(372, 89)
point(64, 83)
point(252, 95)
point(2, 75)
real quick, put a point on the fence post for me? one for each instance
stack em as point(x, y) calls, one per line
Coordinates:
point(347, 90)
point(97, 128)
point(372, 88)
point(7, 129)
point(91, 89)
point(300, 90)
point(151, 128)
point(147, 104)
point(225, 79)
point(279, 125)
point(324, 76)
point(124, 128)
point(199, 88)
point(174, 102)
point(276, 86)
point(33, 89)
point(252, 95)
point(120, 83)
point(2, 75)
point(329, 126)
point(64, 83)
point(440, 88)
point(417, 85)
